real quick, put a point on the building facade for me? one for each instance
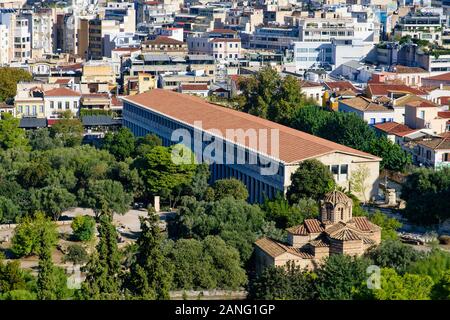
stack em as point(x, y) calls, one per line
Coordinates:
point(265, 172)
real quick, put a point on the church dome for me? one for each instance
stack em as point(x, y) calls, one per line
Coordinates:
point(335, 197)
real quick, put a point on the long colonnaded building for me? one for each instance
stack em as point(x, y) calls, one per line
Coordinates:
point(167, 113)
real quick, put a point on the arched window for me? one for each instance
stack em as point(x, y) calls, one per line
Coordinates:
point(341, 211)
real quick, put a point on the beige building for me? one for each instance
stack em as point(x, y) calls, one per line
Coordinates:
point(336, 231)
point(424, 115)
point(97, 77)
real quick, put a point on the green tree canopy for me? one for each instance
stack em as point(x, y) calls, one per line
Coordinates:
point(150, 277)
point(162, 175)
point(389, 226)
point(68, 130)
point(394, 254)
point(9, 77)
point(28, 234)
point(121, 144)
point(312, 179)
point(402, 287)
point(279, 283)
point(235, 221)
point(9, 211)
point(206, 264)
point(340, 275)
point(83, 228)
point(229, 188)
point(423, 192)
point(52, 200)
point(11, 136)
point(103, 280)
point(106, 196)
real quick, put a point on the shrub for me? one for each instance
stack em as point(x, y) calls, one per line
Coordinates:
point(83, 228)
point(76, 254)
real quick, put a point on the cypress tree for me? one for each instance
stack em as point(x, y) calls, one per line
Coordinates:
point(150, 275)
point(103, 269)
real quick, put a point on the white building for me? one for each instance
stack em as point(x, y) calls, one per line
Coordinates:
point(4, 45)
point(22, 40)
point(60, 100)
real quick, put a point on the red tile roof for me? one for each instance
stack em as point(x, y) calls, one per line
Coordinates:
point(62, 92)
point(444, 100)
point(226, 40)
point(194, 86)
point(382, 89)
point(164, 40)
point(62, 81)
point(440, 77)
point(393, 127)
point(405, 69)
point(340, 85)
point(294, 145)
point(444, 114)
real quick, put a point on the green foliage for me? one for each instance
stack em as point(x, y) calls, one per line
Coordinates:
point(312, 179)
point(229, 188)
point(434, 264)
point(311, 119)
point(352, 131)
point(83, 228)
point(121, 144)
point(423, 192)
point(145, 144)
point(269, 96)
point(199, 185)
point(205, 264)
point(9, 77)
point(235, 221)
point(68, 130)
point(394, 254)
point(28, 235)
point(18, 295)
point(285, 215)
point(106, 196)
point(150, 277)
point(52, 200)
point(389, 225)
point(441, 290)
point(278, 283)
point(40, 139)
point(340, 276)
point(394, 157)
point(162, 176)
point(51, 280)
point(11, 136)
point(103, 269)
point(76, 254)
point(9, 211)
point(402, 287)
point(11, 276)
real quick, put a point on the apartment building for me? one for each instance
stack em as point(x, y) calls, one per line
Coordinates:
point(4, 45)
point(42, 32)
point(22, 40)
point(221, 48)
point(421, 25)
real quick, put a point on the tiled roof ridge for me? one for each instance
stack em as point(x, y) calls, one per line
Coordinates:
point(330, 145)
